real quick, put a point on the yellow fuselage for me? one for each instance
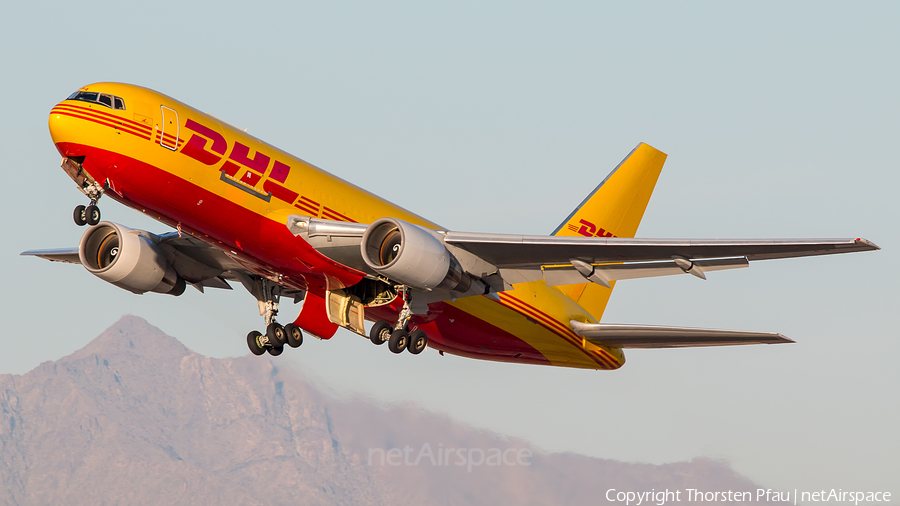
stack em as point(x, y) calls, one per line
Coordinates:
point(235, 192)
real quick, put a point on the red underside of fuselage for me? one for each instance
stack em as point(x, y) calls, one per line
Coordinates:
point(269, 249)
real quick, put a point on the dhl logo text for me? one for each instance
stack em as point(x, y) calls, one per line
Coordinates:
point(273, 173)
point(209, 147)
point(588, 229)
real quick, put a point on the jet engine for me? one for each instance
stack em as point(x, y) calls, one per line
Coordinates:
point(129, 259)
point(413, 256)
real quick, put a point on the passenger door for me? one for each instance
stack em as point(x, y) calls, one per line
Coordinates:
point(168, 135)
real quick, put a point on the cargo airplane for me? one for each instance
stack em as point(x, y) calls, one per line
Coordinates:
point(246, 212)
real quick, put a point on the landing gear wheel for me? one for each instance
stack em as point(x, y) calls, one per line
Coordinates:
point(253, 343)
point(417, 342)
point(380, 332)
point(276, 335)
point(398, 341)
point(275, 350)
point(294, 335)
point(92, 215)
point(78, 215)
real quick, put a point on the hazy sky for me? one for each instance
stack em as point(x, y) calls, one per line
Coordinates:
point(780, 120)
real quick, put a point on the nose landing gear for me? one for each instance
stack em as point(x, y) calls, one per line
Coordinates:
point(87, 215)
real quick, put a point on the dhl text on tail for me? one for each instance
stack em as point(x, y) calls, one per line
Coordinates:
point(246, 212)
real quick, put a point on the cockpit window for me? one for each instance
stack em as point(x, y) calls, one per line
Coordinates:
point(111, 101)
point(87, 96)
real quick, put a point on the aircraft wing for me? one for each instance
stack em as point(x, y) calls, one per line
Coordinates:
point(200, 263)
point(653, 336)
point(524, 251)
point(67, 255)
point(561, 260)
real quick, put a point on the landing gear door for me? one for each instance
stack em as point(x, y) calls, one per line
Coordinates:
point(168, 134)
point(346, 311)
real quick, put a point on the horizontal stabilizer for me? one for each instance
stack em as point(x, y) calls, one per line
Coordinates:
point(653, 336)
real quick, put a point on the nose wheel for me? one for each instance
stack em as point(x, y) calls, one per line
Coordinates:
point(86, 215)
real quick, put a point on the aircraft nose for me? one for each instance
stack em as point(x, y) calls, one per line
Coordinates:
point(55, 124)
point(63, 129)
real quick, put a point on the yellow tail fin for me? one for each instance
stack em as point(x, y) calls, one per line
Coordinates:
point(613, 209)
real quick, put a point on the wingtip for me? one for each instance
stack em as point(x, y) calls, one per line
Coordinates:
point(867, 242)
point(785, 340)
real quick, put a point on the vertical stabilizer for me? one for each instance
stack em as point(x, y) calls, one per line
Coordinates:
point(613, 209)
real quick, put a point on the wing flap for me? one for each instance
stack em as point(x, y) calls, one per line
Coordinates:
point(654, 336)
point(568, 275)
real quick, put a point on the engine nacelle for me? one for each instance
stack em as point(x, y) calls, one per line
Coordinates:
point(128, 259)
point(413, 256)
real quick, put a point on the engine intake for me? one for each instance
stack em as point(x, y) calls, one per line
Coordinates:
point(413, 256)
point(128, 259)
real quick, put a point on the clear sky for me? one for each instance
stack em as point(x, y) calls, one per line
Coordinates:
point(780, 120)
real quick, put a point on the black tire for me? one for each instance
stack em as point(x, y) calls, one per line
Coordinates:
point(294, 335)
point(380, 332)
point(418, 340)
point(78, 215)
point(253, 343)
point(275, 350)
point(92, 215)
point(276, 335)
point(398, 341)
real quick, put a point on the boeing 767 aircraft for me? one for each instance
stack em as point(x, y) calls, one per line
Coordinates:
point(246, 212)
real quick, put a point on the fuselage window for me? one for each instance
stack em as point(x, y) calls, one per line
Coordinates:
point(111, 101)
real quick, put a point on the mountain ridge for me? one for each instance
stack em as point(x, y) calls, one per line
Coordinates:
point(135, 417)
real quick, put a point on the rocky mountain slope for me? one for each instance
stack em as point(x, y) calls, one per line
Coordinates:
point(137, 418)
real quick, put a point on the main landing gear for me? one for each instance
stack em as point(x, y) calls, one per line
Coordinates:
point(276, 336)
point(398, 339)
point(274, 339)
point(398, 336)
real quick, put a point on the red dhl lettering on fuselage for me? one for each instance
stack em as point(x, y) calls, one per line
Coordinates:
point(257, 167)
point(208, 146)
point(588, 229)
